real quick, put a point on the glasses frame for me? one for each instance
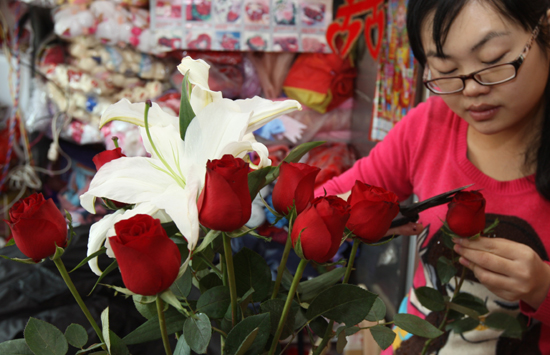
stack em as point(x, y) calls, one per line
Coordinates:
point(516, 63)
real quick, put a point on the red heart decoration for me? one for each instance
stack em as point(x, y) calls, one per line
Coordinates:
point(341, 39)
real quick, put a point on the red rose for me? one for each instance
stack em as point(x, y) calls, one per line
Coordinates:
point(372, 211)
point(106, 156)
point(225, 203)
point(321, 228)
point(294, 186)
point(148, 260)
point(37, 226)
point(466, 213)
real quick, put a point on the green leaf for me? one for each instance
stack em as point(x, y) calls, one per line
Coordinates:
point(297, 153)
point(416, 325)
point(182, 286)
point(245, 300)
point(445, 269)
point(144, 306)
point(15, 347)
point(207, 253)
point(105, 328)
point(208, 239)
point(117, 345)
point(430, 298)
point(257, 180)
point(214, 302)
point(209, 281)
point(511, 326)
point(377, 312)
point(275, 309)
point(150, 330)
point(58, 252)
point(239, 334)
point(186, 111)
point(470, 301)
point(197, 332)
point(105, 272)
point(464, 310)
point(342, 340)
point(182, 348)
point(447, 240)
point(24, 261)
point(247, 342)
point(10, 243)
point(383, 336)
point(342, 303)
point(90, 348)
point(462, 325)
point(319, 326)
point(44, 338)
point(102, 250)
point(76, 335)
point(251, 271)
point(309, 289)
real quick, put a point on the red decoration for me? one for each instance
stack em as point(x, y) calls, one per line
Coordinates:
point(343, 32)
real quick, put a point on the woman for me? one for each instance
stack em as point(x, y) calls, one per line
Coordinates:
point(488, 124)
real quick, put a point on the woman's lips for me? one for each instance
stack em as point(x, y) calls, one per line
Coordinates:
point(483, 112)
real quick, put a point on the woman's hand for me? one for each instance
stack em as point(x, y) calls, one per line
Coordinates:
point(509, 269)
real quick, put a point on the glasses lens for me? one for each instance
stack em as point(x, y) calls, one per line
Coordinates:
point(497, 74)
point(445, 85)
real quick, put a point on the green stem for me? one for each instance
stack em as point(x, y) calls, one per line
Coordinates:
point(356, 242)
point(328, 334)
point(162, 324)
point(76, 295)
point(326, 337)
point(213, 267)
point(282, 267)
point(230, 277)
point(444, 321)
point(288, 303)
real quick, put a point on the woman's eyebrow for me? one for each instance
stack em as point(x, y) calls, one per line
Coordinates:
point(489, 36)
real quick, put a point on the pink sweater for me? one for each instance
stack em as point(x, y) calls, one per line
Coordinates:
point(425, 154)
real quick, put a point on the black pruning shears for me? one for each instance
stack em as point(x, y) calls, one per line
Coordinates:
point(411, 213)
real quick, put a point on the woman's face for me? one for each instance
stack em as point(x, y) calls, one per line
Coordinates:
point(478, 38)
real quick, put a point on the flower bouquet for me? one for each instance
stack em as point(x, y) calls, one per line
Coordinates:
point(175, 214)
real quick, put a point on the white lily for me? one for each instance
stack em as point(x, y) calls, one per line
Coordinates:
point(170, 180)
point(172, 177)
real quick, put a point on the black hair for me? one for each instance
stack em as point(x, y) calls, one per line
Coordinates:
point(527, 15)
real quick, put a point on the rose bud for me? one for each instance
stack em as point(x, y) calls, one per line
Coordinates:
point(103, 158)
point(225, 203)
point(37, 226)
point(320, 228)
point(372, 211)
point(466, 213)
point(106, 156)
point(294, 186)
point(149, 261)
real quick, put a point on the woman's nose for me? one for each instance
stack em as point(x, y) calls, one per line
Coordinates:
point(473, 88)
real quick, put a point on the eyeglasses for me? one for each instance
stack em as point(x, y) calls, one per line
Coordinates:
point(493, 75)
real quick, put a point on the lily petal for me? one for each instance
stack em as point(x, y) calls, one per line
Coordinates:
point(264, 110)
point(128, 180)
point(201, 95)
point(133, 113)
point(181, 205)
